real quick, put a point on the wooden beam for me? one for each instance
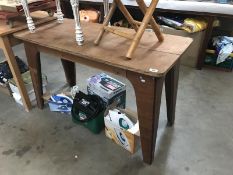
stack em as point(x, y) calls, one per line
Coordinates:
point(118, 32)
point(10, 57)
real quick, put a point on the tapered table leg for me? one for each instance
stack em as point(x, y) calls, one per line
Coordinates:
point(106, 7)
point(33, 58)
point(78, 30)
point(30, 23)
point(59, 12)
point(10, 57)
point(148, 92)
point(171, 85)
point(70, 72)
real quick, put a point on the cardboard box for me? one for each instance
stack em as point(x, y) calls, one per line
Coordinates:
point(107, 88)
point(127, 138)
point(190, 56)
point(29, 87)
point(5, 89)
point(31, 95)
point(27, 81)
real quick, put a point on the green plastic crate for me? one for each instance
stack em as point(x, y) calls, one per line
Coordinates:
point(95, 125)
point(212, 58)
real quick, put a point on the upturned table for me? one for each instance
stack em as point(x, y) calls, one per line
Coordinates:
point(152, 64)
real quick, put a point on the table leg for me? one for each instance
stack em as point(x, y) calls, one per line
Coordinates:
point(10, 57)
point(70, 72)
point(30, 23)
point(78, 29)
point(204, 44)
point(148, 92)
point(33, 58)
point(171, 86)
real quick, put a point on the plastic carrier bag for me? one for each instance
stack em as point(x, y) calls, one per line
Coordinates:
point(192, 25)
point(86, 107)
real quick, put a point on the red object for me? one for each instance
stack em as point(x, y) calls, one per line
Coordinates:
point(47, 5)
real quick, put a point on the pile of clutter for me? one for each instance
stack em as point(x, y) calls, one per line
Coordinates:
point(6, 80)
point(102, 85)
point(223, 47)
point(102, 106)
point(29, 87)
point(191, 25)
point(5, 72)
point(220, 53)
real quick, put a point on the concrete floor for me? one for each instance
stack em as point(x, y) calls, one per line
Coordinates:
point(45, 143)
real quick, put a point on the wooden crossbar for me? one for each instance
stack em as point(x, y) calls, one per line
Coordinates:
point(139, 27)
point(118, 32)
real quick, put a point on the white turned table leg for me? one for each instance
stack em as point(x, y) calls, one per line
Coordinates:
point(106, 7)
point(78, 29)
point(59, 12)
point(30, 23)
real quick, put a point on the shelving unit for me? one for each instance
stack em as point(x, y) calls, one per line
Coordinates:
point(225, 29)
point(213, 52)
point(226, 66)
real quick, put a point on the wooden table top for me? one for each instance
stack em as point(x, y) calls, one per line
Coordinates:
point(112, 48)
point(21, 24)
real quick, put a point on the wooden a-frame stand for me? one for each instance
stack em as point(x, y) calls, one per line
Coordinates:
point(139, 27)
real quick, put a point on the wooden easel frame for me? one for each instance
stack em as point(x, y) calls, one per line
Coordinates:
point(139, 27)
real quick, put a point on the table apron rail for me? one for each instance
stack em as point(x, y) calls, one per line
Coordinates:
point(75, 58)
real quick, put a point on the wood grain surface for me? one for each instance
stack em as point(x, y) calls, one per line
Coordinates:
point(148, 99)
point(59, 40)
point(149, 54)
point(20, 24)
